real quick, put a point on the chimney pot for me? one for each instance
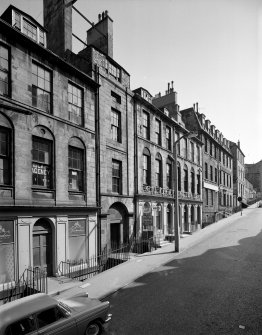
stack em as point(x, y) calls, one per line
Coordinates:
point(103, 15)
point(106, 12)
point(99, 17)
point(168, 87)
point(172, 82)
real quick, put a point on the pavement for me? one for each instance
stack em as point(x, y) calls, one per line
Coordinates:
point(108, 282)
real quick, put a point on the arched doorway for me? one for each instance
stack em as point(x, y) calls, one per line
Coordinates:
point(118, 220)
point(42, 246)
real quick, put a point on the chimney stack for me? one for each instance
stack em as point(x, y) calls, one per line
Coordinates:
point(101, 34)
point(58, 22)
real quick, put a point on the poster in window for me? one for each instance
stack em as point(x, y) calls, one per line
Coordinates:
point(6, 232)
point(77, 227)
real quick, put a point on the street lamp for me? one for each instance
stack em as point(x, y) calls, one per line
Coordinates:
point(176, 223)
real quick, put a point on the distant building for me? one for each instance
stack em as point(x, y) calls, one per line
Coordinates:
point(238, 172)
point(217, 166)
point(250, 192)
point(253, 174)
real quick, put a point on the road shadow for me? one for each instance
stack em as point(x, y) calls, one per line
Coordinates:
point(218, 291)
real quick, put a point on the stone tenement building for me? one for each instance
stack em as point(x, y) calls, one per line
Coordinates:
point(238, 172)
point(48, 198)
point(114, 117)
point(189, 163)
point(253, 174)
point(217, 166)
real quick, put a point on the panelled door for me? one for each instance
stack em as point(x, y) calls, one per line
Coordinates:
point(42, 246)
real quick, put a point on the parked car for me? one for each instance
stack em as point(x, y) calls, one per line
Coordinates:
point(41, 314)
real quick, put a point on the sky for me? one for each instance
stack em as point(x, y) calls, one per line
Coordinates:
point(210, 49)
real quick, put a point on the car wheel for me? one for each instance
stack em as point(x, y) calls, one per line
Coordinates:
point(94, 328)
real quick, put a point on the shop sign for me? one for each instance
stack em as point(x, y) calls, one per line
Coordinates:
point(41, 170)
point(77, 227)
point(6, 232)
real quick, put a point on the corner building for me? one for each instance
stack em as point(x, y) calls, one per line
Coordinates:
point(48, 198)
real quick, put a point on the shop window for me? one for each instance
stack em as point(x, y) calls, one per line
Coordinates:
point(42, 169)
point(116, 176)
point(75, 104)
point(77, 239)
point(4, 70)
point(41, 88)
point(116, 125)
point(76, 169)
point(6, 251)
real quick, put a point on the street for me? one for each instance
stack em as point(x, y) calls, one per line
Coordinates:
point(214, 287)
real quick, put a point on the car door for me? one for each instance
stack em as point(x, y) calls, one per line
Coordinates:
point(53, 322)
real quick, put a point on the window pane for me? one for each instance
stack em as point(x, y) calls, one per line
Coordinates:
point(41, 88)
point(75, 104)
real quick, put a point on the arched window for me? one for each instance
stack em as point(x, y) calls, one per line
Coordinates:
point(146, 167)
point(76, 166)
point(42, 158)
point(178, 176)
point(168, 173)
point(158, 170)
point(185, 179)
point(192, 181)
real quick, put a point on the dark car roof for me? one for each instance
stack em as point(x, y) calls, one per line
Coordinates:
point(20, 308)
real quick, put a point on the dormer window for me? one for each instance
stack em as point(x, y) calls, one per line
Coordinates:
point(28, 28)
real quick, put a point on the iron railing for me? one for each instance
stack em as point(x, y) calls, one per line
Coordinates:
point(110, 257)
point(33, 280)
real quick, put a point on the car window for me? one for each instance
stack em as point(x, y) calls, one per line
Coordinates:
point(49, 316)
point(21, 327)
